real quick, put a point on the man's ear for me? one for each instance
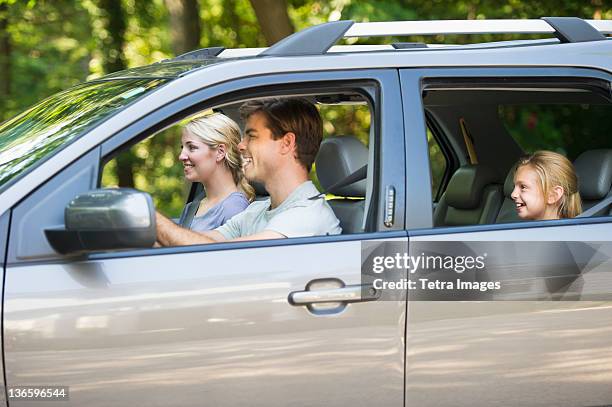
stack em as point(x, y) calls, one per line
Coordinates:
point(555, 195)
point(288, 143)
point(220, 152)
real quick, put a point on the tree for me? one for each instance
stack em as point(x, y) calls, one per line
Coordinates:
point(185, 29)
point(5, 59)
point(113, 17)
point(114, 22)
point(273, 19)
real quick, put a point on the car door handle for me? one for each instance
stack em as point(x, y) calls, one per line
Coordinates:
point(346, 294)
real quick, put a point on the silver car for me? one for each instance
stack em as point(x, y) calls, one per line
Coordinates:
point(90, 306)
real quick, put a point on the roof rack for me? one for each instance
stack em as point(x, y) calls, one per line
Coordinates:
point(200, 53)
point(319, 39)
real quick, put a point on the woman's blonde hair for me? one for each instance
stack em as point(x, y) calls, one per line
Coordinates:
point(554, 169)
point(216, 129)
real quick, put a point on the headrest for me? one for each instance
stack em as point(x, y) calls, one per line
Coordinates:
point(594, 170)
point(259, 188)
point(509, 183)
point(338, 158)
point(466, 187)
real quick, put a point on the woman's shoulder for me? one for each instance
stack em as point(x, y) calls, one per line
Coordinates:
point(234, 203)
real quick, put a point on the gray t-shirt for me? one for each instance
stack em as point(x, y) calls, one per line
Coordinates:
point(296, 216)
point(216, 216)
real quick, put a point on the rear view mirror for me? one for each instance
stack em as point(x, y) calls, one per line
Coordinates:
point(106, 219)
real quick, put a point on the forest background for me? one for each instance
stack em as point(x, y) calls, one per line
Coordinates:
point(48, 46)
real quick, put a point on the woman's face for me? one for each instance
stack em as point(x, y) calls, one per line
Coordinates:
point(199, 160)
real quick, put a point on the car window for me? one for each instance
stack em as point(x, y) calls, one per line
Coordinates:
point(48, 126)
point(490, 130)
point(152, 165)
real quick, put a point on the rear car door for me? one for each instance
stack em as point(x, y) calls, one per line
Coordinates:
point(543, 338)
point(209, 324)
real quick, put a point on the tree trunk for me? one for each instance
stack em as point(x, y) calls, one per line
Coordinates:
point(114, 21)
point(273, 19)
point(185, 29)
point(125, 169)
point(115, 25)
point(5, 60)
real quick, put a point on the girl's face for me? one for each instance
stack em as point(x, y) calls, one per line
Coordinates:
point(530, 200)
point(199, 160)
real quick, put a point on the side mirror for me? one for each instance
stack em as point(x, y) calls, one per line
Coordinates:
point(106, 219)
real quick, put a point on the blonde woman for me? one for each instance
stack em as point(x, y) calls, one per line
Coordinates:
point(546, 187)
point(210, 156)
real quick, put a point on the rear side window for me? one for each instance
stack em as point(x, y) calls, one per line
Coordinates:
point(490, 128)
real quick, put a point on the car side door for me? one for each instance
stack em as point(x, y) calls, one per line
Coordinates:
point(212, 324)
point(541, 338)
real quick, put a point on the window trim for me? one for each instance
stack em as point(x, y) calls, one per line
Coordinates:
point(253, 244)
point(536, 224)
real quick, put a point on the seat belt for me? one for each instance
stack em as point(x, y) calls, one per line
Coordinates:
point(594, 209)
point(190, 210)
point(469, 141)
point(358, 175)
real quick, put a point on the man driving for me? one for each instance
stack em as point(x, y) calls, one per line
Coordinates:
point(280, 142)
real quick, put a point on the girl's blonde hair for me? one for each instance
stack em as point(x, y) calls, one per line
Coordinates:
point(554, 169)
point(216, 129)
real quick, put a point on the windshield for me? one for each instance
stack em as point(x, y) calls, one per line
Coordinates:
point(45, 128)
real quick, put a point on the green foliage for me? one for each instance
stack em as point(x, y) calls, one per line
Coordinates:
point(230, 23)
point(437, 163)
point(567, 129)
point(157, 171)
point(50, 50)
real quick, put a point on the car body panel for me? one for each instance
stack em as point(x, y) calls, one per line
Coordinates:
point(44, 209)
point(4, 227)
point(215, 324)
point(545, 343)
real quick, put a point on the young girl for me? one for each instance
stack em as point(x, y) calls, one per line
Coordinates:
point(546, 187)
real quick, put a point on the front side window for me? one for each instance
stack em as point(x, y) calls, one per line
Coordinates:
point(166, 164)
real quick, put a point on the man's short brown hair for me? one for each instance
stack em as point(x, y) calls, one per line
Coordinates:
point(295, 115)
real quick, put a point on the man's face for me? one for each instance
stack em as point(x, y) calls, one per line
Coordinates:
point(260, 152)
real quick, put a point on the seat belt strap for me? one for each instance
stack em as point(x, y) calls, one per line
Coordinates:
point(190, 210)
point(358, 175)
point(594, 209)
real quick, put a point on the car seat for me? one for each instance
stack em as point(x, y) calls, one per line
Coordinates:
point(507, 212)
point(473, 197)
point(594, 171)
point(338, 158)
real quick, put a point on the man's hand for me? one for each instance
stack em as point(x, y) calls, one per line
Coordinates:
point(170, 234)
